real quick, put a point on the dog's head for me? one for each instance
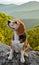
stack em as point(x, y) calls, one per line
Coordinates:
point(17, 25)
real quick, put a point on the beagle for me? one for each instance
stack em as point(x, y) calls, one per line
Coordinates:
point(19, 42)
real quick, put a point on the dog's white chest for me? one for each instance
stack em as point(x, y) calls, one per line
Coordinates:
point(16, 36)
point(16, 43)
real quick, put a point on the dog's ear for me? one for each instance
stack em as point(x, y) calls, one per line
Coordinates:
point(21, 28)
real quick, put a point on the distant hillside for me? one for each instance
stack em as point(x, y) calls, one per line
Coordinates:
point(7, 8)
point(28, 13)
point(37, 26)
point(25, 11)
point(32, 5)
point(30, 23)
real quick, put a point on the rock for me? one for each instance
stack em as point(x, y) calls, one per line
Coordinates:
point(32, 59)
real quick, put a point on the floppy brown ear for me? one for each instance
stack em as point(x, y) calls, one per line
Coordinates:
point(21, 29)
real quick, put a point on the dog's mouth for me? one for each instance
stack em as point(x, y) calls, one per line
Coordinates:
point(13, 28)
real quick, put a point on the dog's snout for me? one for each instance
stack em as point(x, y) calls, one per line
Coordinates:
point(8, 22)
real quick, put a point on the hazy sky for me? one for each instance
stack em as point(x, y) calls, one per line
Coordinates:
point(18, 2)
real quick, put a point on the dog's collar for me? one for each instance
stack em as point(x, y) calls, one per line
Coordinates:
point(22, 37)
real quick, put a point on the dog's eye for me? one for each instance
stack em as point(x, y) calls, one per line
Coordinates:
point(15, 22)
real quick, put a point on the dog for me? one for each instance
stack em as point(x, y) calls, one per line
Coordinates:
point(19, 41)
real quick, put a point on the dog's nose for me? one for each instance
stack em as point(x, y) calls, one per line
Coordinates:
point(8, 22)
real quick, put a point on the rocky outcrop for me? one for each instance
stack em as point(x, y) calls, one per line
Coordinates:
point(32, 59)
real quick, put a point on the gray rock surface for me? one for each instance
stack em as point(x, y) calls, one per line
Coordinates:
point(32, 59)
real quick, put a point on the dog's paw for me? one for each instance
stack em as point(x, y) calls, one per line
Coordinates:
point(8, 53)
point(26, 54)
point(9, 58)
point(22, 60)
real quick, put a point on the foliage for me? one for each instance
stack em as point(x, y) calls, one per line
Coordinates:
point(6, 32)
point(33, 37)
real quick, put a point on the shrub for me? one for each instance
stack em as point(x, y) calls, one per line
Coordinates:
point(33, 37)
point(5, 32)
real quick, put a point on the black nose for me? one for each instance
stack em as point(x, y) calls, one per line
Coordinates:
point(8, 22)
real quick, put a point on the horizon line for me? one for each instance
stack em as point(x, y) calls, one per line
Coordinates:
point(17, 4)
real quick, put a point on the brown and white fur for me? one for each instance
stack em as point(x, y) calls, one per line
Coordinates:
point(16, 44)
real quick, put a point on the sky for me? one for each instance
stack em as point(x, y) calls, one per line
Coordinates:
point(18, 2)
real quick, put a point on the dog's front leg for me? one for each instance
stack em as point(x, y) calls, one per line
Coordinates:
point(22, 56)
point(10, 54)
